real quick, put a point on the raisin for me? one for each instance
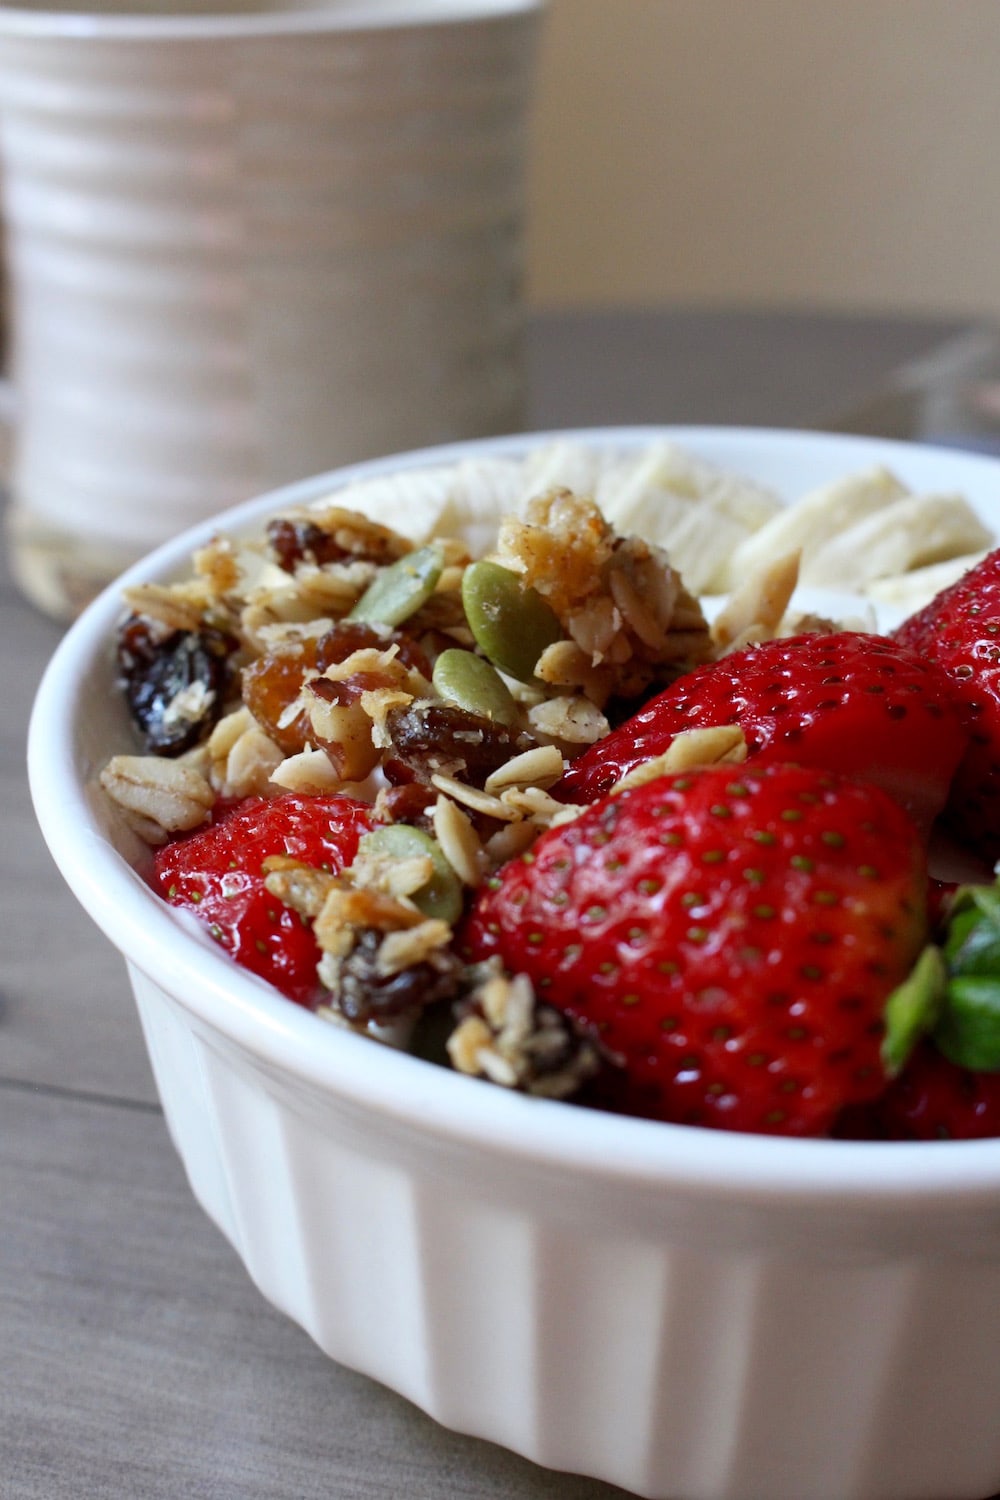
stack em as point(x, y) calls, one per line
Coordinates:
point(293, 542)
point(271, 685)
point(344, 537)
point(429, 739)
point(365, 994)
point(347, 691)
point(175, 682)
point(407, 803)
point(347, 636)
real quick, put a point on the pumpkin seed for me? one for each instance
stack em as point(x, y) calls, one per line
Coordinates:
point(442, 895)
point(511, 624)
point(469, 681)
point(399, 590)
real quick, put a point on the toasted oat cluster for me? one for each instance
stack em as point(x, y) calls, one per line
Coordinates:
point(446, 685)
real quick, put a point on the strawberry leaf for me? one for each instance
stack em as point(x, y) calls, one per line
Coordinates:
point(913, 1009)
point(968, 1032)
point(973, 942)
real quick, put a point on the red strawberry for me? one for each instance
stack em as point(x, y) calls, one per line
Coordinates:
point(215, 873)
point(959, 631)
point(931, 1100)
point(853, 703)
point(730, 935)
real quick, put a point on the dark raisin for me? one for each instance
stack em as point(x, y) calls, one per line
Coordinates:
point(158, 666)
point(406, 803)
point(347, 636)
point(294, 541)
point(339, 536)
point(347, 691)
point(431, 739)
point(365, 994)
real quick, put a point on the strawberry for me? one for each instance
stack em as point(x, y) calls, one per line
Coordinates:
point(943, 1029)
point(729, 935)
point(959, 631)
point(215, 873)
point(857, 704)
point(933, 1099)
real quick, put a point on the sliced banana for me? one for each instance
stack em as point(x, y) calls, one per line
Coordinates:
point(664, 468)
point(911, 591)
point(911, 533)
point(412, 503)
point(697, 512)
point(810, 523)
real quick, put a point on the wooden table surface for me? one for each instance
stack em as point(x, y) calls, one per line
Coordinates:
point(139, 1362)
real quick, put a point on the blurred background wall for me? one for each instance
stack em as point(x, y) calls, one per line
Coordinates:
point(837, 153)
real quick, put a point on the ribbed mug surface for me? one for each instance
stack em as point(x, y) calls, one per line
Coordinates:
point(241, 256)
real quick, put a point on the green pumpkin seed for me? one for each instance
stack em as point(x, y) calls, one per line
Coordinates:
point(442, 895)
point(399, 590)
point(512, 625)
point(468, 680)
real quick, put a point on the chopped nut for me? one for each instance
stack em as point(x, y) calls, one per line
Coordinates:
point(250, 764)
point(573, 720)
point(310, 771)
point(560, 546)
point(565, 664)
point(344, 730)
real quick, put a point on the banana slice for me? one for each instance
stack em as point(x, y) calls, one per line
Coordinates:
point(908, 592)
point(412, 504)
point(698, 537)
point(666, 469)
point(481, 493)
point(697, 512)
point(810, 523)
point(568, 465)
point(911, 533)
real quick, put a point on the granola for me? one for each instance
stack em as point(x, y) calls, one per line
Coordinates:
point(335, 656)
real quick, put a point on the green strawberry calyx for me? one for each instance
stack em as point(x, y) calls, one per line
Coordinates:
point(913, 1008)
point(952, 994)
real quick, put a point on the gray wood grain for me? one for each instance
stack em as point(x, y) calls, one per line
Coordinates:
point(141, 1363)
point(66, 1013)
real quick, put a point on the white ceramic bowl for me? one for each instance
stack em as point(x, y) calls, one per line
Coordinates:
point(682, 1312)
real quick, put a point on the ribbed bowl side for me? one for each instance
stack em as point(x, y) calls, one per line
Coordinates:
point(242, 262)
point(690, 1362)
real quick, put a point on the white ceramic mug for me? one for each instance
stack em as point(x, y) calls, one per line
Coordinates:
point(247, 242)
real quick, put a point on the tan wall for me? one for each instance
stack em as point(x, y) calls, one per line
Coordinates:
point(834, 152)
